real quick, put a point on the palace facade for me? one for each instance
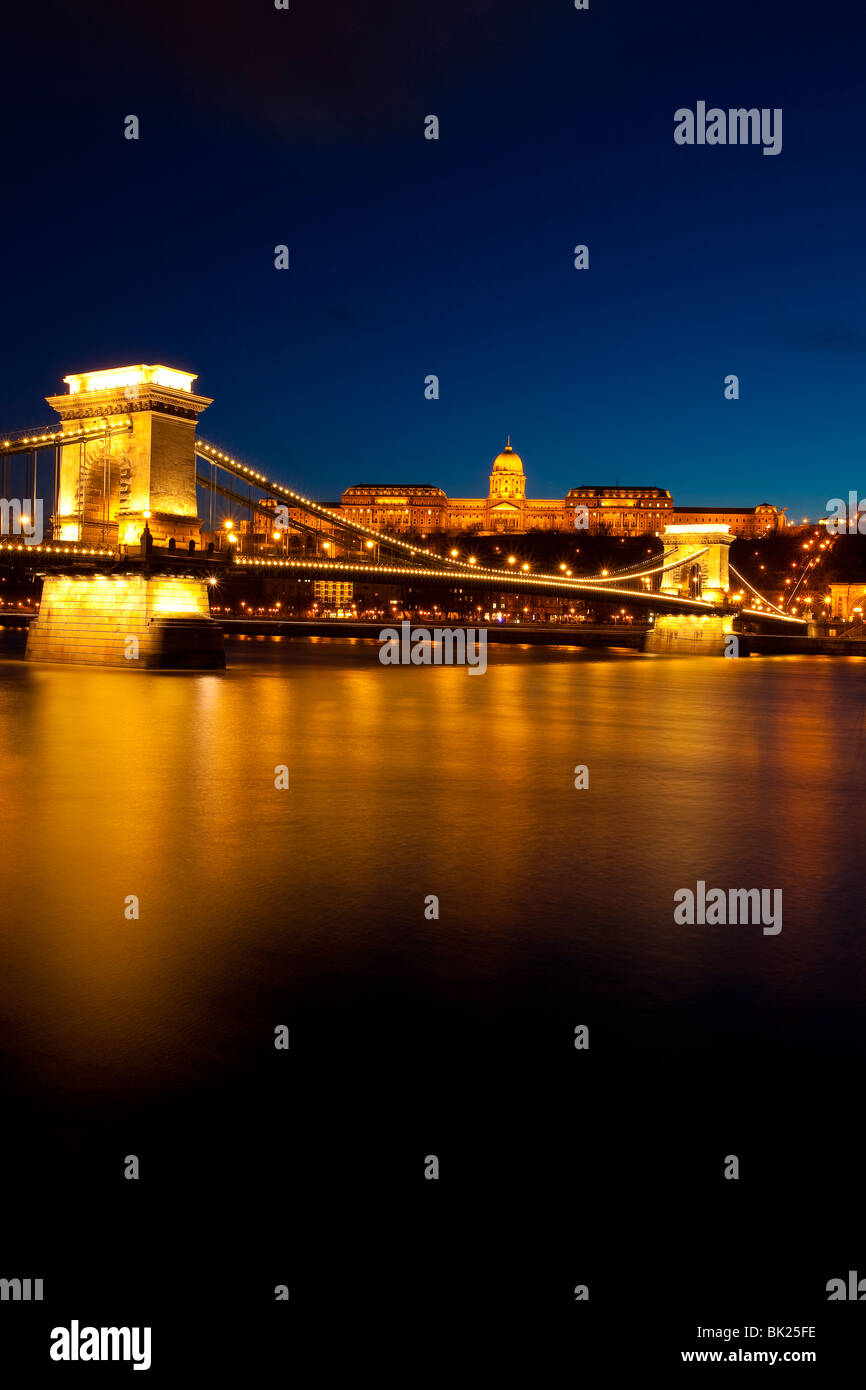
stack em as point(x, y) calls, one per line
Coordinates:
point(616, 511)
point(762, 520)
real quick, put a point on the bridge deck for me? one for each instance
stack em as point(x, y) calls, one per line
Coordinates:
point(49, 557)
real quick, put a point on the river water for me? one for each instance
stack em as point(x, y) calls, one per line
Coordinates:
point(413, 1035)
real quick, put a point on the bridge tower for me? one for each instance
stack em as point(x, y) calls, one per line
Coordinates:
point(110, 485)
point(702, 574)
point(133, 491)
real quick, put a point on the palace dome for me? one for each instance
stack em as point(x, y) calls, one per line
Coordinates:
point(508, 461)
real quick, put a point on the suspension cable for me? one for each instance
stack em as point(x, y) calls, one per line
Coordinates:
point(753, 590)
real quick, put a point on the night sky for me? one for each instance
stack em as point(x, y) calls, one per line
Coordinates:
point(408, 256)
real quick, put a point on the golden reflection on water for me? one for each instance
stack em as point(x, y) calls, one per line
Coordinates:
point(405, 782)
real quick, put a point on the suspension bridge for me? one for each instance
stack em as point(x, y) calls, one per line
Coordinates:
point(125, 562)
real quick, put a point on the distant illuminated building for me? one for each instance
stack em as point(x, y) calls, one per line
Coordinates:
point(333, 591)
point(421, 507)
point(505, 508)
point(847, 602)
point(749, 522)
point(620, 511)
point(395, 506)
point(599, 509)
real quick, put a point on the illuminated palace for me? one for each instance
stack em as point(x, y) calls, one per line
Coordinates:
point(617, 511)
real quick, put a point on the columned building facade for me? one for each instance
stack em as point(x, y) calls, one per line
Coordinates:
point(615, 511)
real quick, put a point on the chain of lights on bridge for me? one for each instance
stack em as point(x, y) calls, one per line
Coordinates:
point(17, 441)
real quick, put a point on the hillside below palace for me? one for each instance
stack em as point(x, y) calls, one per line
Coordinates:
point(617, 511)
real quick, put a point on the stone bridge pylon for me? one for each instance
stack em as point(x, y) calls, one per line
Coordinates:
point(702, 574)
point(129, 485)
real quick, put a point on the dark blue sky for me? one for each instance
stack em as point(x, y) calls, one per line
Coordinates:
point(454, 257)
